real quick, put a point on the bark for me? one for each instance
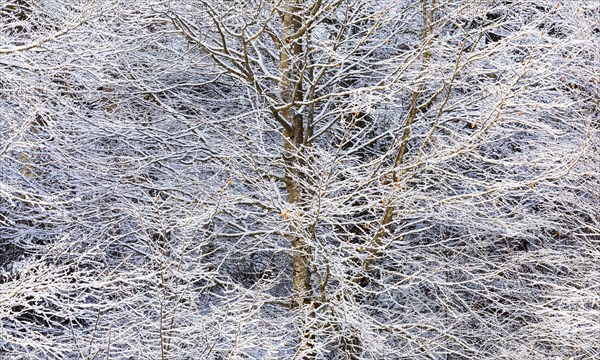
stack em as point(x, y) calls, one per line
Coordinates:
point(291, 93)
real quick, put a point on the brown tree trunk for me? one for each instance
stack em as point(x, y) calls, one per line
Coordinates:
point(291, 93)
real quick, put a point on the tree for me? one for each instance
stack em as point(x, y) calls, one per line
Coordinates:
point(299, 179)
point(321, 71)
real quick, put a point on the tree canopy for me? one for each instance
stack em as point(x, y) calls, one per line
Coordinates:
point(300, 179)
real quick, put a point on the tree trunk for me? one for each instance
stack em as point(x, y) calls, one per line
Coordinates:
point(291, 93)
